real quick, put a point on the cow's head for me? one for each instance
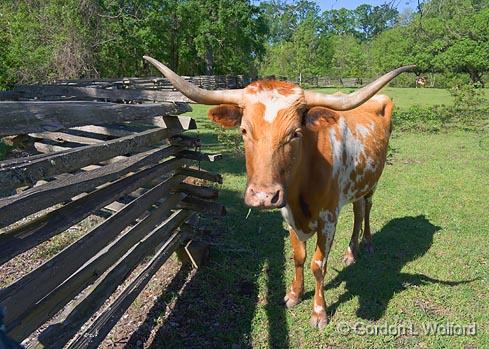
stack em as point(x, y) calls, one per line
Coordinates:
point(273, 117)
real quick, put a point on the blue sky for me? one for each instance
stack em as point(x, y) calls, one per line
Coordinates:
point(351, 4)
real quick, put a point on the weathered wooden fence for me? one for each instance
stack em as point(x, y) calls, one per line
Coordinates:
point(151, 85)
point(130, 162)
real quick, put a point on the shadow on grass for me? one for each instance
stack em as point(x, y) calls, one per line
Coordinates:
point(217, 306)
point(375, 279)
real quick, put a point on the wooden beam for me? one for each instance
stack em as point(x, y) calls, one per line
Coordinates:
point(41, 229)
point(66, 274)
point(204, 206)
point(195, 155)
point(30, 117)
point(131, 242)
point(95, 334)
point(65, 137)
point(202, 174)
point(66, 92)
point(198, 191)
point(29, 171)
point(35, 199)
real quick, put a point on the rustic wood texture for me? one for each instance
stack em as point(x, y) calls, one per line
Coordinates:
point(35, 199)
point(66, 92)
point(129, 156)
point(104, 286)
point(204, 206)
point(196, 155)
point(30, 170)
point(30, 117)
point(96, 333)
point(28, 236)
point(29, 311)
point(202, 174)
point(198, 191)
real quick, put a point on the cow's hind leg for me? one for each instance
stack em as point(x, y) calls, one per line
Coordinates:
point(294, 295)
point(325, 237)
point(352, 251)
point(367, 237)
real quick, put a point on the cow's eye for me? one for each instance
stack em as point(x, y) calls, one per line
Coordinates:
point(243, 131)
point(296, 134)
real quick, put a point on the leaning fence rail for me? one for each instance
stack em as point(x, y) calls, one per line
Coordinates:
point(130, 161)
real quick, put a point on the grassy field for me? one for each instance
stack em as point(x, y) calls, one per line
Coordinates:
point(430, 264)
point(406, 97)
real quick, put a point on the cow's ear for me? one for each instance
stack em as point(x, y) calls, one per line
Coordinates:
point(319, 117)
point(226, 115)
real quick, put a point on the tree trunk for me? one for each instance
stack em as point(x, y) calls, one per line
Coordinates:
point(209, 61)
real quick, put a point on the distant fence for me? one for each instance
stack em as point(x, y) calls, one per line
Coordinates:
point(130, 162)
point(209, 82)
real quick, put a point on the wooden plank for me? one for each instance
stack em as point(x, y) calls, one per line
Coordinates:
point(49, 92)
point(202, 174)
point(154, 232)
point(29, 117)
point(119, 130)
point(204, 206)
point(39, 230)
point(35, 199)
point(198, 191)
point(49, 148)
point(196, 155)
point(65, 137)
point(79, 264)
point(96, 333)
point(27, 172)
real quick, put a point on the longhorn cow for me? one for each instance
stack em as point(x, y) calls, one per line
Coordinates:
point(308, 154)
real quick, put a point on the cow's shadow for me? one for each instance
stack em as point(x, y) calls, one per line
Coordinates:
point(375, 279)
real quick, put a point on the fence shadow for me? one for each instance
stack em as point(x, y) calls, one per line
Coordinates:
point(375, 279)
point(217, 306)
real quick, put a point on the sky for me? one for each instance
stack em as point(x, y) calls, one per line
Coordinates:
point(351, 4)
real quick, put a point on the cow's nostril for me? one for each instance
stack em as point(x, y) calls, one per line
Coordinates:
point(276, 197)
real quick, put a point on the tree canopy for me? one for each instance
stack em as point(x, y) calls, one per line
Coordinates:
point(56, 39)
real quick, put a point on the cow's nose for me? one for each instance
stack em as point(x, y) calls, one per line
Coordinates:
point(265, 197)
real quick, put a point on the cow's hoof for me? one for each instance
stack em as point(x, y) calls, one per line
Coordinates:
point(348, 260)
point(291, 301)
point(319, 320)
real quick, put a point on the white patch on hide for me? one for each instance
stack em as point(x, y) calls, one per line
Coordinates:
point(273, 101)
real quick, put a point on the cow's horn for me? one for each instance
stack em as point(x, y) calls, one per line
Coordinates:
point(352, 100)
point(195, 93)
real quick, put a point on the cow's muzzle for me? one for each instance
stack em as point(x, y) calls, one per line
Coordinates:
point(272, 196)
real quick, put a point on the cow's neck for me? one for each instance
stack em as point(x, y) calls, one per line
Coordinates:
point(310, 184)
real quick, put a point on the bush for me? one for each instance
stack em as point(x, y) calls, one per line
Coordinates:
point(420, 119)
point(469, 111)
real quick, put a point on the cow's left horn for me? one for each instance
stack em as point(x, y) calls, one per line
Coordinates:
point(195, 93)
point(353, 100)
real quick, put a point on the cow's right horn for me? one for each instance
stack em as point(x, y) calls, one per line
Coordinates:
point(195, 93)
point(353, 100)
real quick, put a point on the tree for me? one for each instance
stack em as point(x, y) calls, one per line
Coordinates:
point(43, 41)
point(372, 20)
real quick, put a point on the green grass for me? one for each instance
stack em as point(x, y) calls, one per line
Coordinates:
point(430, 264)
point(406, 97)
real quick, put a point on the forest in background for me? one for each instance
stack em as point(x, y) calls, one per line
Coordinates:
point(44, 40)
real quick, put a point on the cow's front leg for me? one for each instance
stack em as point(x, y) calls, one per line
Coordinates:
point(319, 317)
point(296, 290)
